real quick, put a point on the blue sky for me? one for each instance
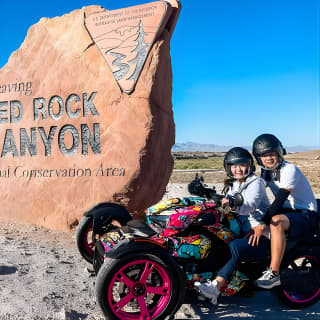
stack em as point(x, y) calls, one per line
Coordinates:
point(240, 68)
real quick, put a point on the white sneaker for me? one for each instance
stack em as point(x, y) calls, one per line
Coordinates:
point(209, 289)
point(268, 280)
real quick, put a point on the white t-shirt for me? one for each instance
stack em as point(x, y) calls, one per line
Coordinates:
point(292, 179)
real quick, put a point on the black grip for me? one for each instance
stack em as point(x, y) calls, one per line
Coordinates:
point(235, 200)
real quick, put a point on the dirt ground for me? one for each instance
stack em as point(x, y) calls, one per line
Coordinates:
point(42, 276)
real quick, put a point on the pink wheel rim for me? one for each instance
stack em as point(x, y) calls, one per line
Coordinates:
point(89, 245)
point(302, 299)
point(149, 300)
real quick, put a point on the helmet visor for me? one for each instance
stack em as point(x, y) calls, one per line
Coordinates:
point(244, 161)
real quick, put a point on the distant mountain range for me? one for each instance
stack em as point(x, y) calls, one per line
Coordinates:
point(201, 147)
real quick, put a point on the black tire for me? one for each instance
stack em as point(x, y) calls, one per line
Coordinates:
point(300, 278)
point(111, 290)
point(84, 236)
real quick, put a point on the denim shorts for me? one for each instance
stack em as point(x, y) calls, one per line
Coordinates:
point(302, 224)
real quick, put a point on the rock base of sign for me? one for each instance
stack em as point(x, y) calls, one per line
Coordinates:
point(70, 138)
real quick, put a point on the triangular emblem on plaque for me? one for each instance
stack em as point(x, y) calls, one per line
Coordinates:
point(125, 37)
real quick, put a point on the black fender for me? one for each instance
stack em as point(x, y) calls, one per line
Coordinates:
point(302, 279)
point(303, 249)
point(104, 212)
point(126, 246)
point(289, 277)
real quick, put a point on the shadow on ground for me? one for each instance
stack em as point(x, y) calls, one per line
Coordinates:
point(259, 305)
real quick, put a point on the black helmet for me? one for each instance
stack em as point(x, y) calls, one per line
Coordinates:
point(266, 143)
point(238, 155)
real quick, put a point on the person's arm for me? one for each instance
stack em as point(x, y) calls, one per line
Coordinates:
point(278, 202)
point(281, 197)
point(255, 194)
point(288, 181)
point(256, 219)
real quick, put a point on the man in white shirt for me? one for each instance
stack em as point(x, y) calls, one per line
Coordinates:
point(294, 210)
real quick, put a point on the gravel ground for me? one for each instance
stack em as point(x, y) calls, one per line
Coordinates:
point(43, 277)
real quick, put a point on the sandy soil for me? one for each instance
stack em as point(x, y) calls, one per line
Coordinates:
point(43, 277)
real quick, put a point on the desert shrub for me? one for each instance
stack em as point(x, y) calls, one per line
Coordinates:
point(211, 163)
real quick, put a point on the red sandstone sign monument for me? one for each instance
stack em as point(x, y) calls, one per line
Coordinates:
point(86, 114)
